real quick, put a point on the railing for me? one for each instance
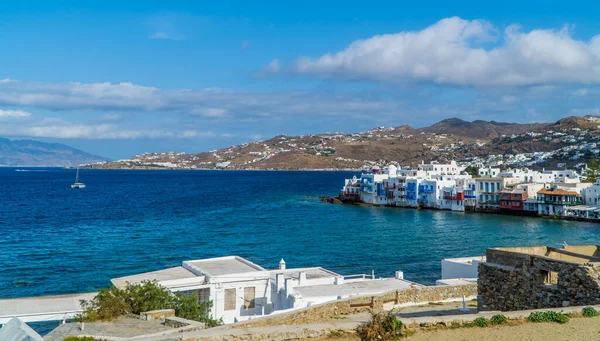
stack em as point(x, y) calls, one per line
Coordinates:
point(450, 197)
point(470, 197)
point(360, 276)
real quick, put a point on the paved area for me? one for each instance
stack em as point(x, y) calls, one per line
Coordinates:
point(430, 313)
point(43, 308)
point(123, 328)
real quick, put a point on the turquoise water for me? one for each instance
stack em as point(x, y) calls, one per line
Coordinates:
point(58, 240)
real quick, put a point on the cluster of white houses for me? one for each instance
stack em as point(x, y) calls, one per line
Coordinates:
point(446, 186)
point(239, 289)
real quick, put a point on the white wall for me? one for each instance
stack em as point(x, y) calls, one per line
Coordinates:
point(459, 268)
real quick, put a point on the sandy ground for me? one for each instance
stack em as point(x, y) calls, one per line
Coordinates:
point(578, 329)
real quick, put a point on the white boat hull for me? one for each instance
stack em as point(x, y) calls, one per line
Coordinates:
point(78, 185)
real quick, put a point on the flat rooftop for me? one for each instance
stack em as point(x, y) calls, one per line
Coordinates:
point(39, 306)
point(177, 272)
point(368, 287)
point(465, 260)
point(311, 273)
point(223, 266)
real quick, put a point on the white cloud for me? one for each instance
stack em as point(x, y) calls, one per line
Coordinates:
point(96, 132)
point(165, 36)
point(211, 112)
point(273, 67)
point(509, 99)
point(111, 117)
point(245, 44)
point(210, 102)
point(581, 92)
point(14, 114)
point(451, 52)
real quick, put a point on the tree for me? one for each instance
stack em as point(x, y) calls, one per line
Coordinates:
point(592, 173)
point(472, 171)
point(114, 302)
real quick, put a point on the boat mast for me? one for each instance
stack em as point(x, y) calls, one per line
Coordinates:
point(77, 175)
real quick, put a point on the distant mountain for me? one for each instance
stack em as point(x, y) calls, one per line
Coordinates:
point(569, 141)
point(36, 153)
point(480, 129)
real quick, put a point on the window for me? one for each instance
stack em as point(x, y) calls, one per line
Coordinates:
point(203, 295)
point(249, 297)
point(481, 185)
point(550, 277)
point(230, 299)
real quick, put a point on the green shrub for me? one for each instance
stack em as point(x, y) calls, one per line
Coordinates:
point(113, 302)
point(589, 312)
point(498, 319)
point(391, 323)
point(381, 327)
point(548, 316)
point(481, 322)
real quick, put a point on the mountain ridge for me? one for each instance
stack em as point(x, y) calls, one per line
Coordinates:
point(33, 153)
point(530, 144)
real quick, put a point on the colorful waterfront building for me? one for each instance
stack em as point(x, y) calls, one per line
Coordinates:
point(513, 199)
point(556, 201)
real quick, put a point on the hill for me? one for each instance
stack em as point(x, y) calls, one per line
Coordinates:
point(571, 141)
point(36, 153)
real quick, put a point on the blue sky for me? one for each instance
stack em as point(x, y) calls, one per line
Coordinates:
point(121, 78)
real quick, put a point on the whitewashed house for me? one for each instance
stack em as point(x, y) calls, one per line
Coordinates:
point(240, 290)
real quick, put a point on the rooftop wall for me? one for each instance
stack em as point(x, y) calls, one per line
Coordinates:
point(325, 311)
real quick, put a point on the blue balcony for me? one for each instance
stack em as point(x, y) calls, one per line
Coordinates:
point(426, 189)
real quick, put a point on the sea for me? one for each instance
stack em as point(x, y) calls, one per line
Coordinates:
point(58, 240)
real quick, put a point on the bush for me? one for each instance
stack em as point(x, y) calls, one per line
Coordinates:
point(548, 316)
point(134, 299)
point(391, 323)
point(481, 322)
point(589, 312)
point(498, 319)
point(381, 327)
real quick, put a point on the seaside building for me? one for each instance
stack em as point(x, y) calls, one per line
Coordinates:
point(513, 199)
point(556, 201)
point(488, 189)
point(592, 194)
point(447, 187)
point(240, 290)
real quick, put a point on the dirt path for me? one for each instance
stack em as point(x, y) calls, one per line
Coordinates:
point(578, 329)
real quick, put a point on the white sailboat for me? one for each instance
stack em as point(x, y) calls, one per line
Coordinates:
point(77, 184)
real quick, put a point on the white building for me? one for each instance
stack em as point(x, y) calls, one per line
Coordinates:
point(592, 194)
point(240, 290)
point(465, 267)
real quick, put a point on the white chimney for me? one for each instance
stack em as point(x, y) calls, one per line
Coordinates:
point(281, 264)
point(302, 278)
point(399, 275)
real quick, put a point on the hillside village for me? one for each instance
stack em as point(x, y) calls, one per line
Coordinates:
point(566, 143)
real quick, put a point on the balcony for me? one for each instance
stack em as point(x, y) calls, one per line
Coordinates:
point(426, 189)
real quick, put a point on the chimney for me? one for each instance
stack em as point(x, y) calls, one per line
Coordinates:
point(302, 278)
point(281, 264)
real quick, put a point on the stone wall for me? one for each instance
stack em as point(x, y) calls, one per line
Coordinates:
point(534, 282)
point(325, 311)
point(157, 314)
point(178, 322)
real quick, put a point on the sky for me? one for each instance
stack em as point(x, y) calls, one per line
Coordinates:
point(119, 78)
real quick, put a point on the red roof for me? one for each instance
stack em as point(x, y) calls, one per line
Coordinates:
point(558, 192)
